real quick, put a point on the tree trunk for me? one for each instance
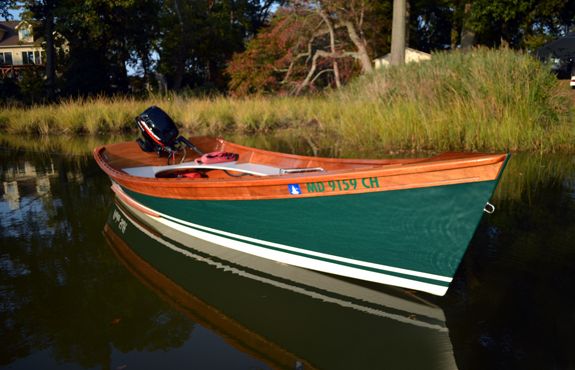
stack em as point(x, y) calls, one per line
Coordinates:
point(361, 46)
point(332, 47)
point(454, 35)
point(50, 53)
point(398, 33)
point(144, 57)
point(180, 60)
point(467, 34)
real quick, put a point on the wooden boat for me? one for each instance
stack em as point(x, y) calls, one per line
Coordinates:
point(401, 222)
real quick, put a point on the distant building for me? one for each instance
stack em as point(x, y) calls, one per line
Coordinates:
point(18, 48)
point(411, 55)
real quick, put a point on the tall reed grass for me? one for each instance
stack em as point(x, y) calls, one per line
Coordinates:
point(482, 100)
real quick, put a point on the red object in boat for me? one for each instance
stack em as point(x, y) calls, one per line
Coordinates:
point(192, 175)
point(217, 157)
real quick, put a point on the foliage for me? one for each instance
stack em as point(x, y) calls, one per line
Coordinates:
point(32, 85)
point(27, 88)
point(199, 37)
point(191, 41)
point(9, 91)
point(202, 45)
point(188, 42)
point(518, 23)
point(101, 34)
point(309, 45)
point(262, 67)
point(433, 25)
point(483, 100)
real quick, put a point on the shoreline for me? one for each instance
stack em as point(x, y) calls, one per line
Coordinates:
point(486, 100)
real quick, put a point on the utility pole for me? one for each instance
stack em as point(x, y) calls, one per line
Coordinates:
point(398, 33)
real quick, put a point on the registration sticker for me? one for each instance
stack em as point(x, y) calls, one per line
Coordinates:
point(294, 189)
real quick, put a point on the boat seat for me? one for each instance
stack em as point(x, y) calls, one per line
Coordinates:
point(247, 168)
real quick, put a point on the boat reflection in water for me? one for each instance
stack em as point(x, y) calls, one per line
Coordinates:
point(286, 316)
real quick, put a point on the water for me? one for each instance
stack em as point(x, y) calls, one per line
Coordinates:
point(74, 295)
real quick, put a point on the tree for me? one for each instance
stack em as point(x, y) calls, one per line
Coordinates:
point(309, 44)
point(102, 36)
point(266, 64)
point(514, 22)
point(433, 25)
point(44, 11)
point(112, 32)
point(518, 24)
point(350, 15)
point(189, 41)
point(199, 37)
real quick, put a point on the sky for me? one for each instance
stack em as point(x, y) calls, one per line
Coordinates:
point(15, 15)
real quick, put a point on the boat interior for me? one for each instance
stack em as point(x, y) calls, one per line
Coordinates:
point(130, 159)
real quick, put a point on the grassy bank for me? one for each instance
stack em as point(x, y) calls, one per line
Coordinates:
point(485, 100)
point(494, 100)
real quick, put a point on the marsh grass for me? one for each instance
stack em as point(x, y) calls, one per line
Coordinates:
point(483, 100)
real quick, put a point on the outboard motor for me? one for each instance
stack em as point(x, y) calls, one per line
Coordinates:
point(160, 134)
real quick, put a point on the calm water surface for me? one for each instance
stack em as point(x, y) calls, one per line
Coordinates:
point(74, 295)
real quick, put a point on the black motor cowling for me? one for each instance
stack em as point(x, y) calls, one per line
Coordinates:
point(159, 132)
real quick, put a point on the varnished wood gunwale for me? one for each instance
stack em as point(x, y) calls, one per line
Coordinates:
point(391, 174)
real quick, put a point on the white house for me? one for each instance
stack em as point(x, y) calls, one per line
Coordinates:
point(411, 55)
point(18, 48)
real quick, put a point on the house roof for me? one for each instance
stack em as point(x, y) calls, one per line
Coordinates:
point(9, 34)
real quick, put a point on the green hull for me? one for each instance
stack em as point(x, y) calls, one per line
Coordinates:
point(417, 235)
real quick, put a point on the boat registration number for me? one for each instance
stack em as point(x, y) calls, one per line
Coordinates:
point(338, 185)
point(117, 217)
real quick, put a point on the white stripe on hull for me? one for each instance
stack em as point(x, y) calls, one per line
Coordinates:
point(305, 262)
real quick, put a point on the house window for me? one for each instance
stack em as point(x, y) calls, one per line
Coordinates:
point(6, 58)
point(27, 57)
point(31, 57)
point(24, 34)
